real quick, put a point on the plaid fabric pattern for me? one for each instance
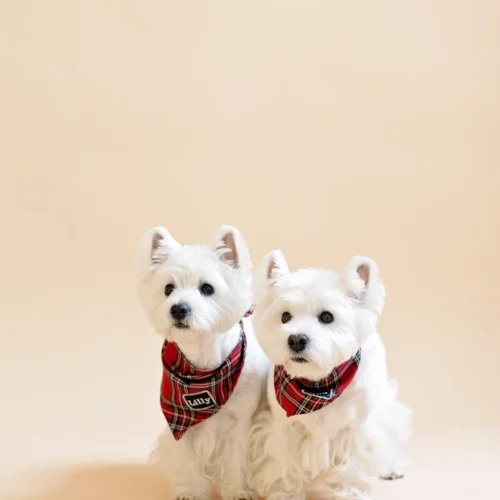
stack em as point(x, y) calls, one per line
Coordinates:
point(298, 395)
point(189, 395)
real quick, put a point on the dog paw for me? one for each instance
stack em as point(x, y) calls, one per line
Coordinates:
point(350, 496)
point(190, 493)
point(392, 476)
point(243, 496)
point(192, 496)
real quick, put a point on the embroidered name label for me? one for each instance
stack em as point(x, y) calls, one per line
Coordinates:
point(199, 401)
point(322, 395)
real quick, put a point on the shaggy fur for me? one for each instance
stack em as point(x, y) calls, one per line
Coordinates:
point(214, 451)
point(357, 437)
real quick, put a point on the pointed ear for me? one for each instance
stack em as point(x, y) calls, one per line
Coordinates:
point(155, 247)
point(231, 248)
point(275, 267)
point(362, 281)
point(272, 269)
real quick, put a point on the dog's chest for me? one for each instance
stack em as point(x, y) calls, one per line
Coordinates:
point(316, 427)
point(238, 409)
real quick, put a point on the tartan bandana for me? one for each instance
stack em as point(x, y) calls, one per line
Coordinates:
point(190, 395)
point(298, 396)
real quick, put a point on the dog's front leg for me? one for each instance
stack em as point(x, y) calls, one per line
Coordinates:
point(235, 473)
point(348, 482)
point(345, 490)
point(269, 482)
point(181, 465)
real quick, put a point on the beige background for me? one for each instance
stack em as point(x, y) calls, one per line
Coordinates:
point(325, 128)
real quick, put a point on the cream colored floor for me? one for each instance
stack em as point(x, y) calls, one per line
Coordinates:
point(449, 467)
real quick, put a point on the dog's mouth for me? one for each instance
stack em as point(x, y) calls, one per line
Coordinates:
point(299, 359)
point(180, 325)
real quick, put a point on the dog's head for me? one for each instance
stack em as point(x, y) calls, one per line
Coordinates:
point(312, 320)
point(192, 290)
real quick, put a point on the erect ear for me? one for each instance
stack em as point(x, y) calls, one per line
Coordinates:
point(275, 267)
point(155, 247)
point(231, 248)
point(272, 269)
point(362, 281)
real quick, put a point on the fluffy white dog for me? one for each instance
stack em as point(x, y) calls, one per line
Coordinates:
point(196, 297)
point(334, 418)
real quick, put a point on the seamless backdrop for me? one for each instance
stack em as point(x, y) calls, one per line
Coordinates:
point(323, 128)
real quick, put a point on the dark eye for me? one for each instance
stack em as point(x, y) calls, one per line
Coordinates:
point(326, 317)
point(286, 317)
point(169, 289)
point(206, 289)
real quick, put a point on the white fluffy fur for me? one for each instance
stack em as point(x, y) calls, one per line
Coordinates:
point(357, 437)
point(214, 452)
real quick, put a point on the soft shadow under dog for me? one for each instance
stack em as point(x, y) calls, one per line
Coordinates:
point(95, 482)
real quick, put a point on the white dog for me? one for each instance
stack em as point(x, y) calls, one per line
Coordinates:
point(196, 297)
point(334, 418)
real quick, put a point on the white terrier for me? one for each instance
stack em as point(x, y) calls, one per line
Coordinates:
point(196, 297)
point(334, 418)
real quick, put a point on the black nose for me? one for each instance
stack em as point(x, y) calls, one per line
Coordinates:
point(298, 342)
point(180, 311)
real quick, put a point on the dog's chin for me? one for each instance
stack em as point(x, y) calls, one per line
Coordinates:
point(304, 367)
point(189, 331)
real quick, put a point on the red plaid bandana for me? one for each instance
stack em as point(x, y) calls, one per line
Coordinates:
point(189, 395)
point(299, 395)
